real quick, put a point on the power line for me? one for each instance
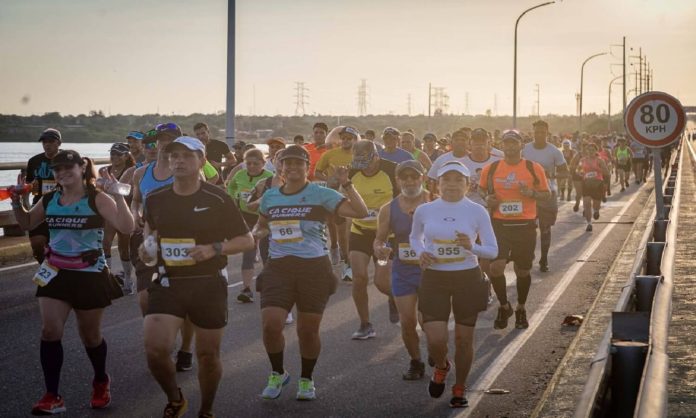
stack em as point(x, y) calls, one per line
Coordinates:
point(300, 98)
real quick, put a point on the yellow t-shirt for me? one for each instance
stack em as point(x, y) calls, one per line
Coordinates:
point(333, 158)
point(376, 191)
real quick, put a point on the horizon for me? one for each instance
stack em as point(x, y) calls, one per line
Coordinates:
point(397, 46)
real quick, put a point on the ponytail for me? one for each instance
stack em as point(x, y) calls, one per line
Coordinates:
point(90, 175)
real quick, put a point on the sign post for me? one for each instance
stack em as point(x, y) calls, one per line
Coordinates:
point(656, 120)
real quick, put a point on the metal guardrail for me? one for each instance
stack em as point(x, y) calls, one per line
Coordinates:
point(13, 165)
point(628, 376)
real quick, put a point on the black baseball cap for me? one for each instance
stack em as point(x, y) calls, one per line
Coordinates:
point(120, 148)
point(410, 165)
point(51, 133)
point(294, 151)
point(66, 157)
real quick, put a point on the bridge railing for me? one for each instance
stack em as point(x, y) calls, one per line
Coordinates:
point(628, 376)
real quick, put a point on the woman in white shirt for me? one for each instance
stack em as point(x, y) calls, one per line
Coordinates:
point(443, 235)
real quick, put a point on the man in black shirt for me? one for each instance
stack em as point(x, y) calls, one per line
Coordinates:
point(40, 175)
point(196, 226)
point(214, 150)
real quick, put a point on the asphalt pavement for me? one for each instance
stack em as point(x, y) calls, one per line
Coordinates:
point(353, 378)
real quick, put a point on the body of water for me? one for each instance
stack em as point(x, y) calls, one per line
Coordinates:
point(23, 151)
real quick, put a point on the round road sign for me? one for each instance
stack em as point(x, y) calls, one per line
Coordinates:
point(655, 119)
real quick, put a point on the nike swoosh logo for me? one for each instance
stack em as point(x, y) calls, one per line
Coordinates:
point(197, 209)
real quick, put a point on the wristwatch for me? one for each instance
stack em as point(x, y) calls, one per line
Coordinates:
point(217, 246)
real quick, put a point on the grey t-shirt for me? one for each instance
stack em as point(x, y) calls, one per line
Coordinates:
point(549, 157)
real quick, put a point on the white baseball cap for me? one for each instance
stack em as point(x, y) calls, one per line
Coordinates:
point(453, 166)
point(191, 143)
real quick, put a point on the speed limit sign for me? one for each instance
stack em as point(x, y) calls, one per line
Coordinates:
point(655, 119)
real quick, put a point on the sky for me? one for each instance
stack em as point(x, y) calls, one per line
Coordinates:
point(169, 56)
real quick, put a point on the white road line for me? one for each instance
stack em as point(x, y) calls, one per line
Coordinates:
point(489, 376)
point(18, 266)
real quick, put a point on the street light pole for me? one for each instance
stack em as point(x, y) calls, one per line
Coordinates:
point(609, 104)
point(514, 76)
point(229, 109)
point(582, 72)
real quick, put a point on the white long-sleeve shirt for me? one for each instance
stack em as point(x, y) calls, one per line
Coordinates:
point(435, 227)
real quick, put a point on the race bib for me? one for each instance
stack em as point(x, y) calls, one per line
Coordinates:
point(591, 174)
point(286, 231)
point(45, 274)
point(407, 255)
point(510, 208)
point(47, 186)
point(244, 196)
point(175, 251)
point(371, 215)
point(448, 251)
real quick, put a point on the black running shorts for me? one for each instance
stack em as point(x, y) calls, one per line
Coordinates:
point(307, 282)
point(463, 293)
point(81, 290)
point(202, 299)
point(593, 188)
point(516, 242)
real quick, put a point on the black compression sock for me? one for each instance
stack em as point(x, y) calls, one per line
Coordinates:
point(277, 362)
point(523, 285)
point(499, 286)
point(51, 363)
point(97, 355)
point(308, 367)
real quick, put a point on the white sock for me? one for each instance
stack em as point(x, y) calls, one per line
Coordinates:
point(127, 268)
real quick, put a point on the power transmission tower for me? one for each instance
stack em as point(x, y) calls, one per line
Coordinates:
point(409, 104)
point(362, 97)
point(440, 100)
point(300, 98)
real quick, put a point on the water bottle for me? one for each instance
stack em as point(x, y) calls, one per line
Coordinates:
point(150, 246)
point(114, 187)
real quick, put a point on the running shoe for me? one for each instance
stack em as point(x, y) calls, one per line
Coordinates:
point(347, 274)
point(335, 255)
point(501, 321)
point(437, 383)
point(576, 207)
point(458, 397)
point(393, 311)
point(596, 215)
point(289, 319)
point(276, 381)
point(176, 409)
point(184, 361)
point(101, 394)
point(305, 390)
point(366, 331)
point(49, 404)
point(589, 228)
point(622, 188)
point(416, 370)
point(543, 265)
point(521, 319)
point(245, 296)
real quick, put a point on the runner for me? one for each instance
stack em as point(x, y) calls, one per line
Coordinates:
point(443, 237)
point(391, 151)
point(605, 154)
point(214, 150)
point(553, 162)
point(639, 160)
point(623, 156)
point(408, 143)
point(196, 226)
point(40, 175)
point(593, 171)
point(370, 136)
point(240, 188)
point(460, 149)
point(374, 179)
point(325, 171)
point(318, 146)
point(274, 145)
point(565, 181)
point(430, 146)
point(299, 270)
point(513, 186)
point(135, 146)
point(396, 218)
point(121, 161)
point(298, 140)
point(74, 275)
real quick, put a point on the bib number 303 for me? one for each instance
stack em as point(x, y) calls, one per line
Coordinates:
point(175, 251)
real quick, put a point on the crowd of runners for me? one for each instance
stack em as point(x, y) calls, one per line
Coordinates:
point(438, 219)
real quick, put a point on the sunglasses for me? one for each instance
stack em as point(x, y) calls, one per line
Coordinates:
point(409, 176)
point(150, 145)
point(167, 127)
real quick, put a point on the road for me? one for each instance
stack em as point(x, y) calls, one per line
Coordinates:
point(353, 378)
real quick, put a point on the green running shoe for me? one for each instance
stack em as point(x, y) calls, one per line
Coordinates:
point(305, 390)
point(276, 381)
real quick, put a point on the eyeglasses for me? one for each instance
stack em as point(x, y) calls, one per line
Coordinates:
point(409, 176)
